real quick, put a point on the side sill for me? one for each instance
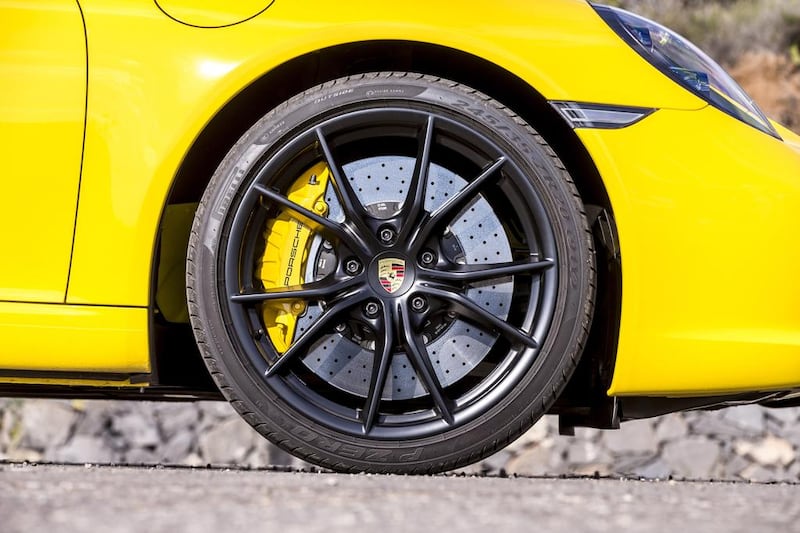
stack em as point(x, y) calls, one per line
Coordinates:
point(61, 343)
point(108, 391)
point(92, 379)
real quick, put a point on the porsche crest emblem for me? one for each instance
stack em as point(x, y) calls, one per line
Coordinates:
point(391, 273)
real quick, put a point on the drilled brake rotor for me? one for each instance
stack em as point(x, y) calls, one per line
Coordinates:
point(344, 359)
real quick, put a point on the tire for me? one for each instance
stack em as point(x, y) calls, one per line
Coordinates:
point(365, 319)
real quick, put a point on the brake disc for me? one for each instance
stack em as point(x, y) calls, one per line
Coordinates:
point(344, 359)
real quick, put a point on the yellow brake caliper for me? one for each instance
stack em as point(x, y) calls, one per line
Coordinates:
point(286, 254)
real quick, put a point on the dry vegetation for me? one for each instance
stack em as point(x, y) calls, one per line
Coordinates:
point(757, 40)
point(774, 82)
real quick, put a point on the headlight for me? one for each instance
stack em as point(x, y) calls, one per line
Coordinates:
point(686, 64)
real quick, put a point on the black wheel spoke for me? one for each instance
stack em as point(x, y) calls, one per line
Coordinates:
point(418, 355)
point(415, 198)
point(381, 364)
point(338, 230)
point(318, 290)
point(322, 323)
point(445, 212)
point(474, 313)
point(474, 273)
point(353, 210)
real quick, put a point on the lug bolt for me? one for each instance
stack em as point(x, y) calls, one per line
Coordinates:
point(352, 266)
point(386, 235)
point(320, 207)
point(427, 258)
point(371, 309)
point(418, 304)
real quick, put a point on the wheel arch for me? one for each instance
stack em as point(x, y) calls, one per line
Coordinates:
point(305, 71)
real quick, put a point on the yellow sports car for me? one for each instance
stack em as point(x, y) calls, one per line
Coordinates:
point(393, 236)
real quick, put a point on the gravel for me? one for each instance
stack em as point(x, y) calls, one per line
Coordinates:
point(739, 443)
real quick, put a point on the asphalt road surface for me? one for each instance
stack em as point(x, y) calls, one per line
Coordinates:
point(63, 499)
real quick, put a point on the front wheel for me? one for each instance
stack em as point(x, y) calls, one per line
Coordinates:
point(391, 273)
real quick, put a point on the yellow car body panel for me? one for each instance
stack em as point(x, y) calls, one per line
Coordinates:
point(705, 205)
point(212, 13)
point(44, 338)
point(42, 103)
point(711, 292)
point(134, 150)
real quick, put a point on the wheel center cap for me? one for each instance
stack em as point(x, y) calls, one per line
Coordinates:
point(391, 274)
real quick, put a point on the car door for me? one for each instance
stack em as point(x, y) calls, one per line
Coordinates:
point(42, 108)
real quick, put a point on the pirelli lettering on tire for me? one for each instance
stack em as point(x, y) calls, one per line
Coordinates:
point(354, 452)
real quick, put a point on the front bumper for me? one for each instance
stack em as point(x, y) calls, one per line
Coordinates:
point(708, 215)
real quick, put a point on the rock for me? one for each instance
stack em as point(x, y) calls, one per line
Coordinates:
point(536, 434)
point(84, 449)
point(772, 426)
point(749, 418)
point(45, 424)
point(23, 454)
point(693, 457)
point(585, 452)
point(587, 433)
point(227, 443)
point(656, 469)
point(534, 461)
point(755, 443)
point(258, 458)
point(219, 410)
point(474, 469)
point(193, 460)
point(791, 433)
point(768, 451)
point(141, 456)
point(628, 464)
point(592, 469)
point(279, 457)
point(784, 415)
point(733, 466)
point(793, 472)
point(175, 417)
point(758, 473)
point(671, 427)
point(636, 437)
point(781, 475)
point(175, 450)
point(138, 428)
point(9, 427)
point(496, 462)
point(712, 424)
point(94, 418)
